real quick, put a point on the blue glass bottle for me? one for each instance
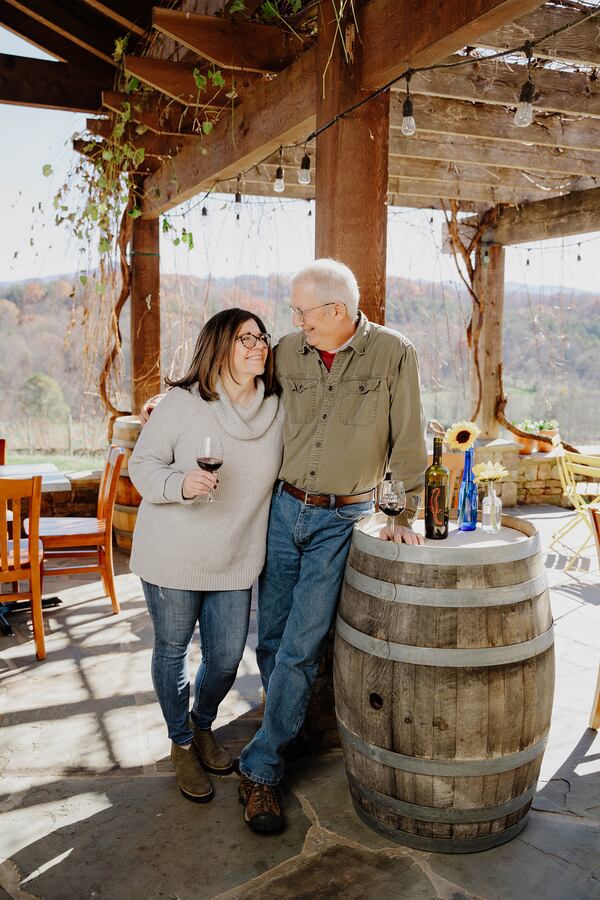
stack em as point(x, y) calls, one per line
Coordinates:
point(467, 496)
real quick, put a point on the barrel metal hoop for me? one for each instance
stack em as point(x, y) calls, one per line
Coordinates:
point(450, 767)
point(126, 509)
point(462, 598)
point(121, 442)
point(437, 814)
point(441, 845)
point(446, 657)
point(445, 556)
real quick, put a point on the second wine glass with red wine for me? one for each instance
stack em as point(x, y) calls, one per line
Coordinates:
point(210, 457)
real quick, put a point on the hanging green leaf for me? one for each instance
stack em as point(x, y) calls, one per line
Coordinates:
point(100, 288)
point(83, 279)
point(138, 156)
point(141, 129)
point(118, 130)
point(176, 242)
point(199, 79)
point(120, 47)
point(236, 6)
point(104, 245)
point(207, 127)
point(134, 213)
point(47, 170)
point(166, 226)
point(132, 84)
point(217, 78)
point(107, 155)
point(125, 111)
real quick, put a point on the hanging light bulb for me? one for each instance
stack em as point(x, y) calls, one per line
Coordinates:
point(279, 183)
point(524, 112)
point(204, 211)
point(238, 193)
point(304, 170)
point(408, 126)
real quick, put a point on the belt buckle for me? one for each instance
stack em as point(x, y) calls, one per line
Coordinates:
point(306, 503)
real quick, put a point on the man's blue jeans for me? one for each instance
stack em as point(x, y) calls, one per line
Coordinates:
point(223, 617)
point(307, 548)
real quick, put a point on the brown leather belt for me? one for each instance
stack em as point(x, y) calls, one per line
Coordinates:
point(329, 501)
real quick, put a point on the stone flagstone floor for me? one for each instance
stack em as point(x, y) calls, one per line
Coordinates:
point(89, 807)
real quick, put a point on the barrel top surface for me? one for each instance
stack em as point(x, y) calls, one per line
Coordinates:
point(516, 539)
point(127, 422)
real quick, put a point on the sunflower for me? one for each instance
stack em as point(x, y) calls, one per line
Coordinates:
point(489, 471)
point(462, 435)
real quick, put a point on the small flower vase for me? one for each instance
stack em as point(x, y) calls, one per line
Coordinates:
point(467, 496)
point(491, 509)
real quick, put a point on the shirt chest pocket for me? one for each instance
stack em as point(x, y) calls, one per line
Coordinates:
point(300, 399)
point(359, 401)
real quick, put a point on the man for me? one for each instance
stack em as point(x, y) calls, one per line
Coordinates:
point(353, 411)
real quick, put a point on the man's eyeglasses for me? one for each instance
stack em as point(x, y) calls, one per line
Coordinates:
point(250, 340)
point(300, 313)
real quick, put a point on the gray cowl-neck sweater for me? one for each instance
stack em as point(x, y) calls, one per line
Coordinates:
point(192, 544)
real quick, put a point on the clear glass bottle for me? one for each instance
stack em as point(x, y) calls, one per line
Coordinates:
point(491, 509)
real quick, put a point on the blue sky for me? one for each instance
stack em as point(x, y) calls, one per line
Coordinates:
point(271, 236)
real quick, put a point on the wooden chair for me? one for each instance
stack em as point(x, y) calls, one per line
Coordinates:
point(594, 511)
point(580, 493)
point(454, 462)
point(60, 535)
point(21, 560)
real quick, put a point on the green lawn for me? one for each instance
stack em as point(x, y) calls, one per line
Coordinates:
point(64, 463)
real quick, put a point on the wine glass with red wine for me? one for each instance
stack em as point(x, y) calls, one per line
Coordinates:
point(391, 498)
point(210, 458)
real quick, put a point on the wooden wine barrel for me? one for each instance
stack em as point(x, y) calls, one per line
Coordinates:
point(125, 434)
point(444, 678)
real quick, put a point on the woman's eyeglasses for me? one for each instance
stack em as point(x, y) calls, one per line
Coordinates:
point(250, 340)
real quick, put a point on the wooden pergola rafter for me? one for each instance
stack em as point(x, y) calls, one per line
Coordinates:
point(282, 84)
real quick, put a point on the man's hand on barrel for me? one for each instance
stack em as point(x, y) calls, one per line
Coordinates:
point(402, 535)
point(148, 407)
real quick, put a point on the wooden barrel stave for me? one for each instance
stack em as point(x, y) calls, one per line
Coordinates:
point(127, 500)
point(486, 712)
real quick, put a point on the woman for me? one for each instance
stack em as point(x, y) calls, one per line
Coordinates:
point(197, 558)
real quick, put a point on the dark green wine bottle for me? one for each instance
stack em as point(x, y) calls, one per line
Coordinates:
point(437, 499)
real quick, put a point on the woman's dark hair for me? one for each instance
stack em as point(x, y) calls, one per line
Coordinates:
point(213, 351)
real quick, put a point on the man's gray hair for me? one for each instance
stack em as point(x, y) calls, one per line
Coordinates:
point(332, 280)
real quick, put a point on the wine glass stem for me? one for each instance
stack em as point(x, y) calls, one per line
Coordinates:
point(209, 497)
point(391, 523)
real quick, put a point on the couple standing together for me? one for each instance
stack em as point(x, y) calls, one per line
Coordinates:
point(307, 431)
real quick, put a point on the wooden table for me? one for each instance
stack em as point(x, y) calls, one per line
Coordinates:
point(52, 478)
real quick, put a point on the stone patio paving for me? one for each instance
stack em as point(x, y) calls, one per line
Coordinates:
point(89, 807)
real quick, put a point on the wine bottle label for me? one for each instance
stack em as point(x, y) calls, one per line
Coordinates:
point(436, 505)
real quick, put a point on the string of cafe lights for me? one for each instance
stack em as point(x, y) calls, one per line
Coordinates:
point(523, 117)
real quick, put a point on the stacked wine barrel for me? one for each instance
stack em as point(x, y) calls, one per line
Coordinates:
point(125, 434)
point(444, 679)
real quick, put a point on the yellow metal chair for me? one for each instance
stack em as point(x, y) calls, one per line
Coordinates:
point(580, 493)
point(594, 511)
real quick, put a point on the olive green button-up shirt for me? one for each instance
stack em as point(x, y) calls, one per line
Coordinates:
point(345, 428)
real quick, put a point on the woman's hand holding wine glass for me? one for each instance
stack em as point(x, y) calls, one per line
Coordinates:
point(209, 459)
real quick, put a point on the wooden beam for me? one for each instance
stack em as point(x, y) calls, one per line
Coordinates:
point(401, 35)
point(145, 312)
point(280, 111)
point(489, 288)
point(159, 115)
point(154, 144)
point(352, 173)
point(45, 38)
point(435, 115)
point(579, 45)
point(228, 43)
point(570, 93)
point(50, 85)
point(558, 217)
point(131, 15)
point(176, 80)
point(76, 23)
point(451, 148)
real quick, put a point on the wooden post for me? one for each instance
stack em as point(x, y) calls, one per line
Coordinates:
point(145, 312)
point(489, 287)
point(352, 166)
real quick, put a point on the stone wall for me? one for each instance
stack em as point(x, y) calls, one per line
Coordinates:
point(532, 478)
point(81, 500)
